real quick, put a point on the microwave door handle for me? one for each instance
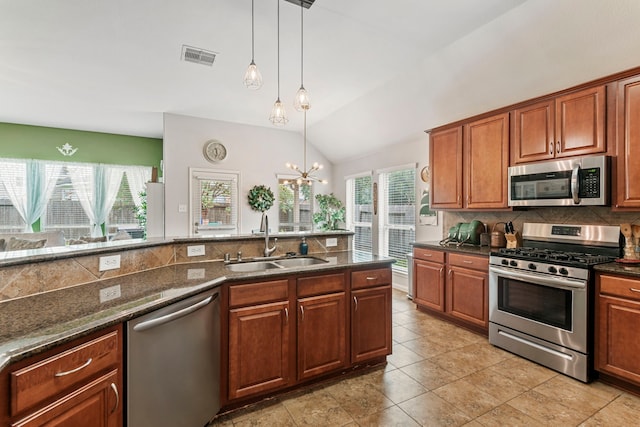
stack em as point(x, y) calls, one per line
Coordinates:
point(575, 184)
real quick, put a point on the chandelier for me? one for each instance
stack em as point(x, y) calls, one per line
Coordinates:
point(307, 176)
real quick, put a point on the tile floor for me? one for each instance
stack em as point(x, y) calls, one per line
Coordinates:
point(442, 375)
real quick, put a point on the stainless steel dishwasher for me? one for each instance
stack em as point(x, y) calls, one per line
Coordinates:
point(173, 364)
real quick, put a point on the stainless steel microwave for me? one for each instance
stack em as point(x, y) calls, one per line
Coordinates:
point(570, 182)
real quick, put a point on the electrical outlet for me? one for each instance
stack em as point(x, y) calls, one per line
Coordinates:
point(110, 293)
point(109, 262)
point(333, 241)
point(197, 250)
point(195, 273)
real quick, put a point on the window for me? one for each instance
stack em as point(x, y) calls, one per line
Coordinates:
point(64, 210)
point(295, 206)
point(360, 211)
point(397, 214)
point(123, 211)
point(214, 201)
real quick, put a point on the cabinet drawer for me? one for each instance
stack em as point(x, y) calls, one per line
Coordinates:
point(315, 285)
point(38, 382)
point(258, 293)
point(469, 261)
point(369, 278)
point(428, 255)
point(620, 287)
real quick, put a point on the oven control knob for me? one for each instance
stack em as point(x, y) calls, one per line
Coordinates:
point(505, 262)
point(553, 270)
point(564, 271)
point(532, 266)
point(513, 263)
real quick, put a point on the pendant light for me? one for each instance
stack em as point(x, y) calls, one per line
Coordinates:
point(307, 176)
point(301, 101)
point(252, 78)
point(278, 114)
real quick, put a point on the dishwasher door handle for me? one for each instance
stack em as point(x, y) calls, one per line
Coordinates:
point(173, 316)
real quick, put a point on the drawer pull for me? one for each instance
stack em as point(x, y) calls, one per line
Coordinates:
point(115, 390)
point(87, 363)
point(466, 261)
point(372, 277)
point(427, 255)
point(634, 290)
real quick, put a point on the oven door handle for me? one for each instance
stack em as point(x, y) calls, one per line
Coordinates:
point(555, 282)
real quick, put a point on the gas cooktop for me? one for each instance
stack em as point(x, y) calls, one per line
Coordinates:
point(555, 256)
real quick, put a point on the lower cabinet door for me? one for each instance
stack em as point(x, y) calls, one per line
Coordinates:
point(370, 323)
point(617, 343)
point(467, 296)
point(429, 277)
point(258, 349)
point(97, 404)
point(322, 335)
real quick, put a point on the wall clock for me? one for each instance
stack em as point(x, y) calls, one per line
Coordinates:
point(214, 151)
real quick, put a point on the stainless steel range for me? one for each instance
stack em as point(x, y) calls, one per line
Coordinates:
point(541, 295)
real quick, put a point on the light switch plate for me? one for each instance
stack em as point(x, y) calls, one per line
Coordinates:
point(182, 208)
point(333, 241)
point(109, 262)
point(195, 250)
point(110, 293)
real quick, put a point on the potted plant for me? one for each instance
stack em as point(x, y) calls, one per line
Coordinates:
point(261, 199)
point(332, 212)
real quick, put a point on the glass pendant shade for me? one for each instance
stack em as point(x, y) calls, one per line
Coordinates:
point(253, 78)
point(301, 101)
point(278, 114)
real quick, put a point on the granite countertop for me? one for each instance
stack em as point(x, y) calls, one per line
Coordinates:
point(632, 270)
point(466, 249)
point(39, 322)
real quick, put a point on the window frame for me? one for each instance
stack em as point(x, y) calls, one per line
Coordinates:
point(196, 228)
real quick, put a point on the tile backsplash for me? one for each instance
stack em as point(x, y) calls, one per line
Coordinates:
point(560, 215)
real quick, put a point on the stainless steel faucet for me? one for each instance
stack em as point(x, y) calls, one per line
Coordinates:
point(267, 250)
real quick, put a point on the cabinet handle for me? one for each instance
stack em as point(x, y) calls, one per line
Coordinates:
point(450, 272)
point(355, 300)
point(551, 147)
point(87, 363)
point(115, 390)
point(558, 147)
point(302, 313)
point(442, 272)
point(286, 315)
point(634, 290)
point(466, 261)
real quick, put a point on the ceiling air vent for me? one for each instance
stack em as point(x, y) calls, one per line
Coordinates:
point(199, 56)
point(305, 3)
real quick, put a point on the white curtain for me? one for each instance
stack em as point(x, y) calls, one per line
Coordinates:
point(29, 184)
point(137, 176)
point(97, 188)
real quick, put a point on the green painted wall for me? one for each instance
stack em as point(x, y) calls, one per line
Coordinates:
point(36, 142)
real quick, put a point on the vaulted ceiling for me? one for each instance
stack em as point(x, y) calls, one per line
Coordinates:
point(379, 72)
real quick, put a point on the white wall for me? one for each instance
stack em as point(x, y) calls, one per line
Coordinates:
point(416, 151)
point(258, 153)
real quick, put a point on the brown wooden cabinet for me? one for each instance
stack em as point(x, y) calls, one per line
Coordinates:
point(322, 340)
point(76, 385)
point(429, 278)
point(370, 314)
point(455, 285)
point(627, 178)
point(468, 289)
point(469, 165)
point(617, 340)
point(259, 338)
point(568, 125)
point(445, 157)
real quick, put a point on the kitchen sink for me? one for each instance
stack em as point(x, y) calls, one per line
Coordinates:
point(299, 262)
point(261, 265)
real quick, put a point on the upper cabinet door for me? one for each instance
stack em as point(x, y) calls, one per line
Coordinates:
point(580, 122)
point(533, 132)
point(445, 157)
point(628, 145)
point(569, 125)
point(486, 162)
